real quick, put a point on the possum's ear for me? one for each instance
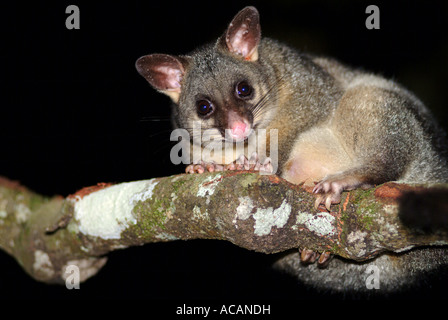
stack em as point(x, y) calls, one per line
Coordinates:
point(164, 72)
point(244, 33)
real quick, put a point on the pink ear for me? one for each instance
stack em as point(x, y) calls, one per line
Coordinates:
point(162, 71)
point(244, 33)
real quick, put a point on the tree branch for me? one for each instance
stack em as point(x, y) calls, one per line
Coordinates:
point(257, 212)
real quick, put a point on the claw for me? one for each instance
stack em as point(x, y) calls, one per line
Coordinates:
point(210, 167)
point(328, 202)
point(267, 166)
point(189, 169)
point(329, 190)
point(253, 161)
point(324, 259)
point(241, 163)
point(308, 256)
point(327, 194)
point(198, 168)
point(230, 166)
point(318, 201)
point(317, 188)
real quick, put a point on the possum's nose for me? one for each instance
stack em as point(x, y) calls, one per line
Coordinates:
point(239, 128)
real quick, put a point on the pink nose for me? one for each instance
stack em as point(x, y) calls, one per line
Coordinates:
point(239, 128)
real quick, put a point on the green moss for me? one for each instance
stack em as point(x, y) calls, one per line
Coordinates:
point(367, 207)
point(35, 201)
point(178, 183)
point(337, 249)
point(152, 215)
point(362, 195)
point(248, 179)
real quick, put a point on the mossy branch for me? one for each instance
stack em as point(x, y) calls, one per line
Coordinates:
point(258, 212)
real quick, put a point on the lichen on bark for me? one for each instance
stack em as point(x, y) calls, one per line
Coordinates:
point(258, 212)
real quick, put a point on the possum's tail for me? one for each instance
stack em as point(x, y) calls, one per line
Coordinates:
point(425, 211)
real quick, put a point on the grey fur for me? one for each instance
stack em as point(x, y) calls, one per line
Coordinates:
point(376, 130)
point(397, 273)
point(396, 125)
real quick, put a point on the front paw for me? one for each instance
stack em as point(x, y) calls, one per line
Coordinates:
point(328, 192)
point(202, 167)
point(330, 189)
point(253, 163)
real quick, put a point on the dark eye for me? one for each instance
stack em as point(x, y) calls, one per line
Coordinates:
point(243, 89)
point(204, 107)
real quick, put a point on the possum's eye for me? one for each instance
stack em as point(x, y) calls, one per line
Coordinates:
point(204, 107)
point(243, 90)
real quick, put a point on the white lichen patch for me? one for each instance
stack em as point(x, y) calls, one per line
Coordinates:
point(392, 229)
point(356, 236)
point(199, 215)
point(172, 208)
point(196, 213)
point(107, 212)
point(42, 264)
point(386, 229)
point(176, 178)
point(244, 209)
point(390, 209)
point(22, 213)
point(166, 237)
point(357, 240)
point(412, 246)
point(220, 224)
point(267, 218)
point(207, 188)
point(3, 212)
point(321, 223)
point(146, 193)
point(3, 215)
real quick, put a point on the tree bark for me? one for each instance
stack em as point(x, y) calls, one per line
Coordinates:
point(258, 212)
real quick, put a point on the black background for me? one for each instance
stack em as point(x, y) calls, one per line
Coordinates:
point(74, 112)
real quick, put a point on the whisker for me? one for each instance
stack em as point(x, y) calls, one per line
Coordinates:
point(155, 119)
point(268, 99)
point(158, 133)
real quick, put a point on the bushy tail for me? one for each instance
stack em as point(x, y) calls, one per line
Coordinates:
point(425, 211)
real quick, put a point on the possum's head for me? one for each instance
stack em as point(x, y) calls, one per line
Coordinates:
point(221, 86)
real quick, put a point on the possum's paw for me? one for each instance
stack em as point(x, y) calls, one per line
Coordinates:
point(242, 163)
point(330, 189)
point(202, 167)
point(309, 256)
point(328, 193)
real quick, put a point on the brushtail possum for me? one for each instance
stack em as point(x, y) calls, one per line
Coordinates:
point(338, 128)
